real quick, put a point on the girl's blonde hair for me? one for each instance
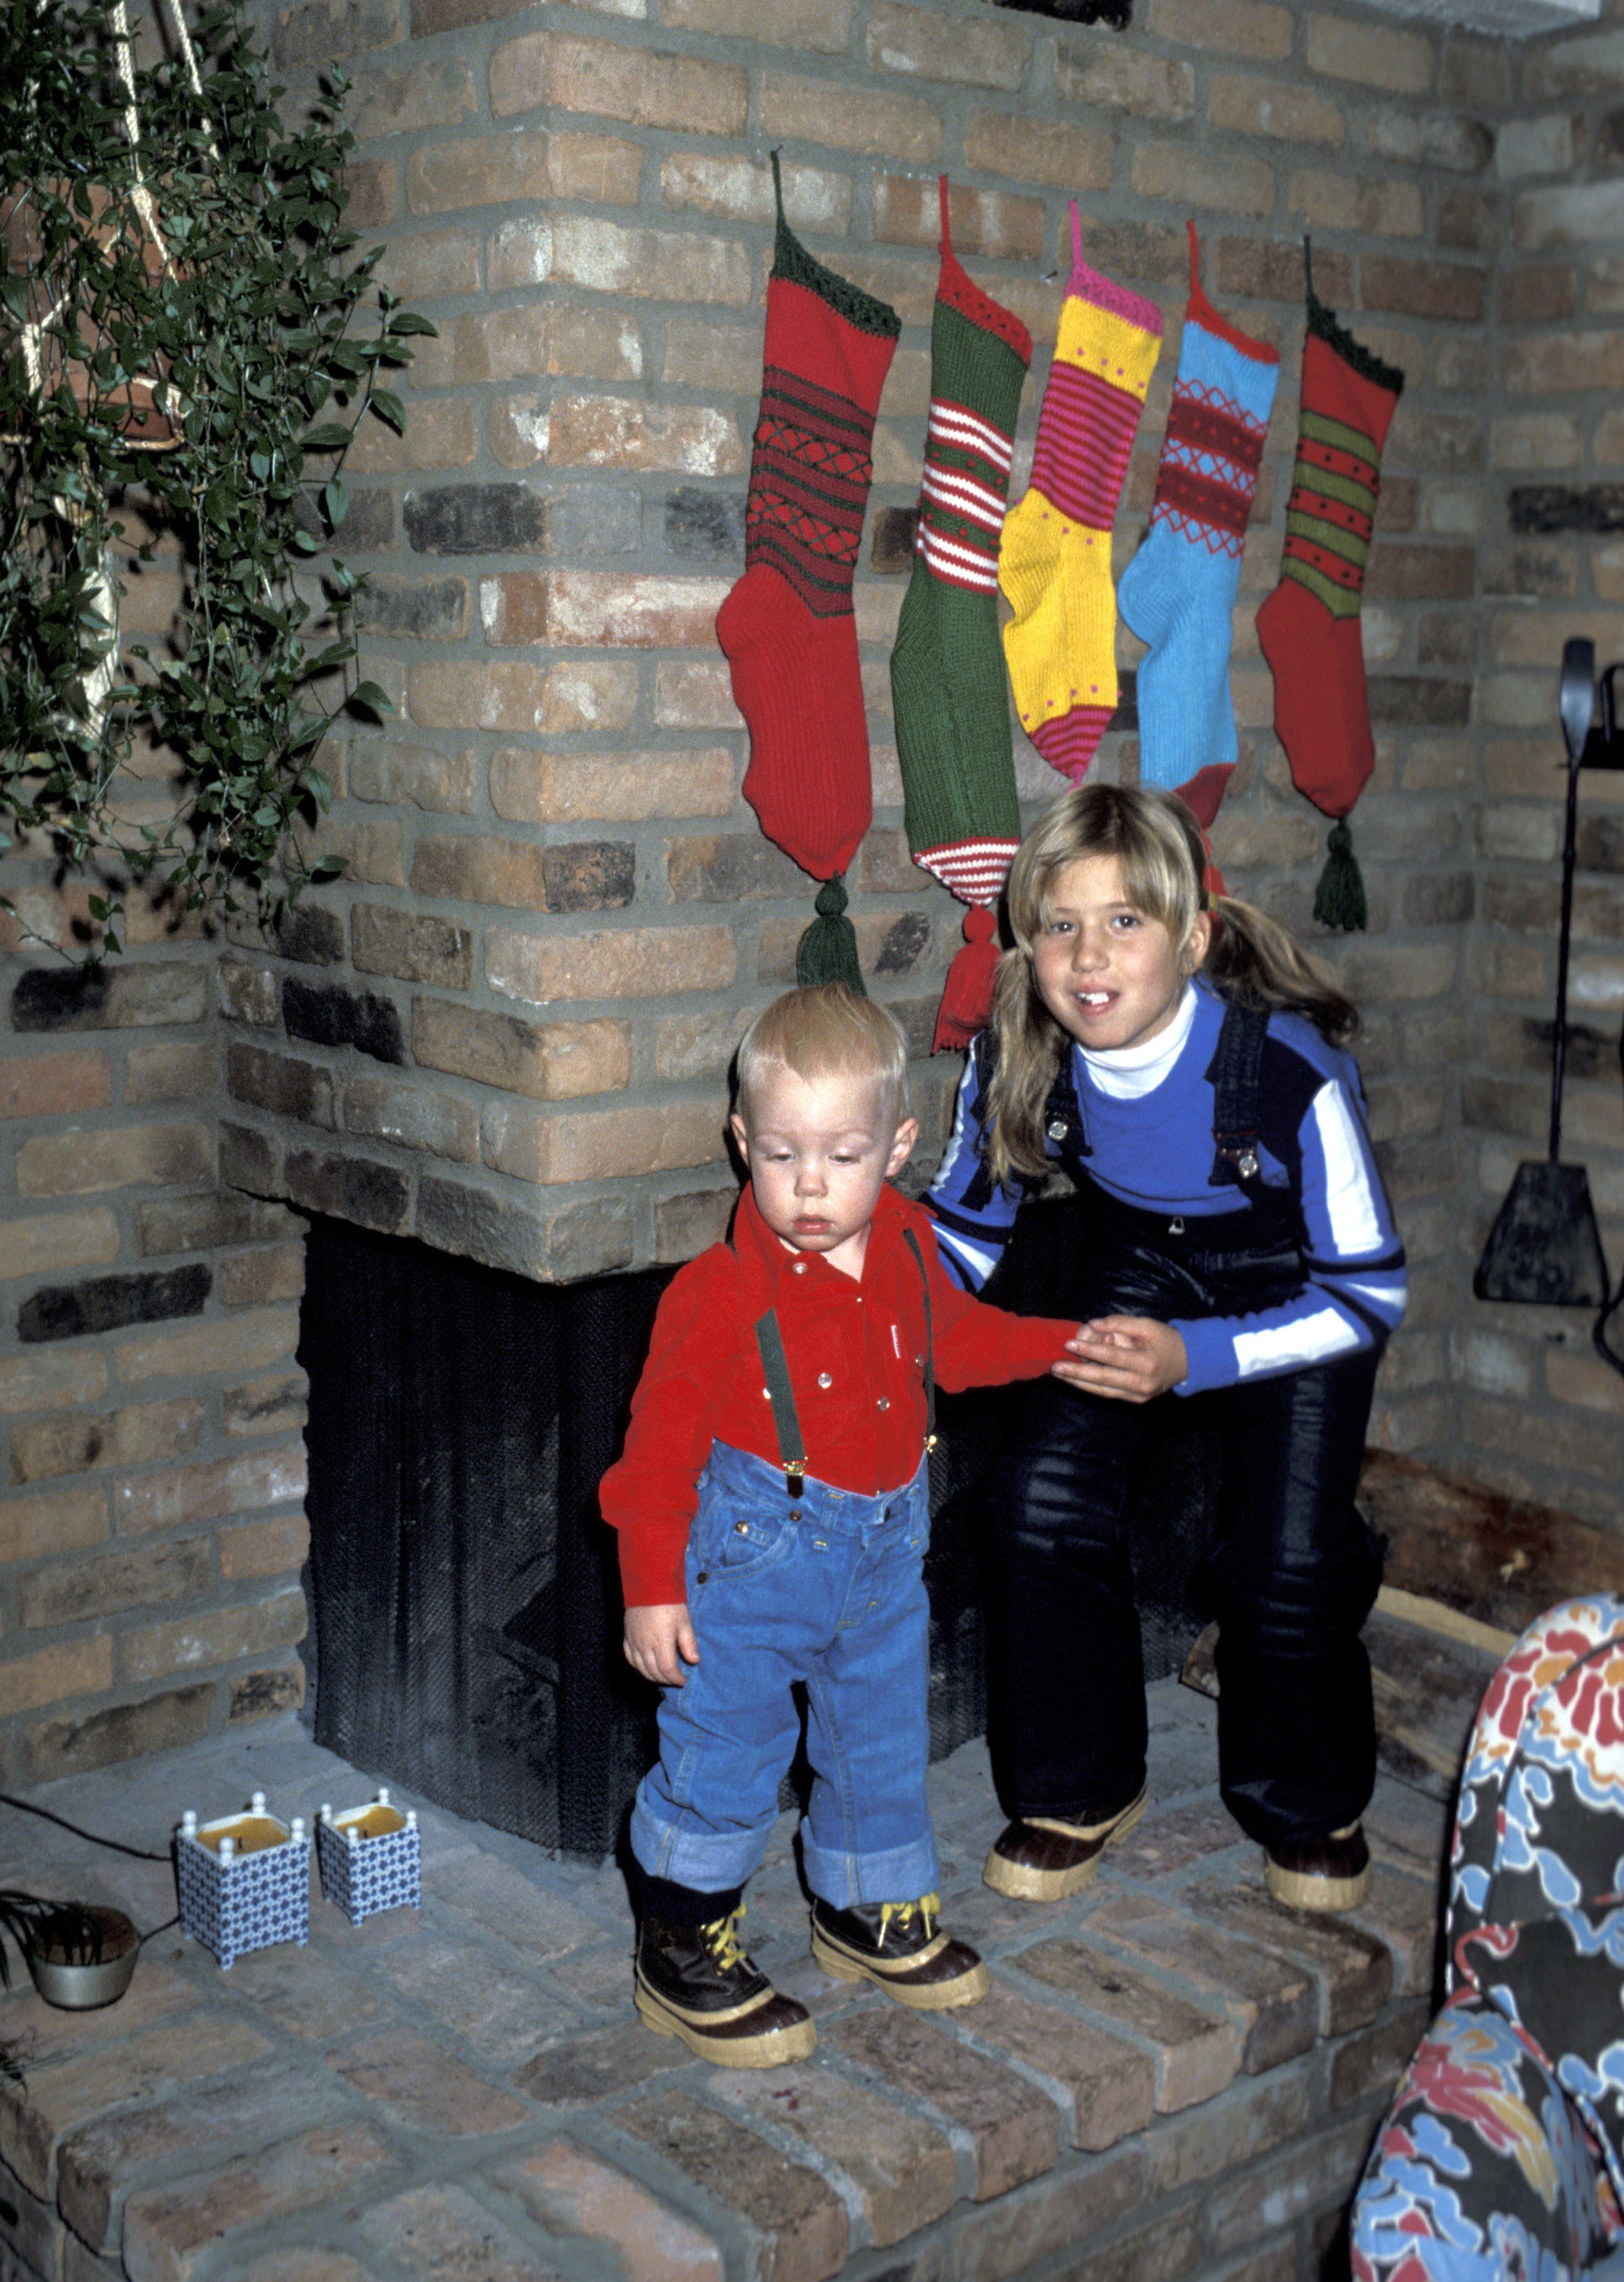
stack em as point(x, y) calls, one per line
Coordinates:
point(823, 1031)
point(1158, 843)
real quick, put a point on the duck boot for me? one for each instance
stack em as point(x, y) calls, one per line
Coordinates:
point(1333, 1873)
point(900, 1947)
point(697, 1983)
point(1039, 1858)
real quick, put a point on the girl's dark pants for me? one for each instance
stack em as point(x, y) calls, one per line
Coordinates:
point(1294, 1569)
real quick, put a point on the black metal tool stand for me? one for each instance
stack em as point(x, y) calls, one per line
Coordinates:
point(1545, 1248)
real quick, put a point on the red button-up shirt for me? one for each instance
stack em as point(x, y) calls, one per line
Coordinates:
point(855, 1352)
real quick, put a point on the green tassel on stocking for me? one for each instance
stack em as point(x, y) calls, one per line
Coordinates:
point(827, 951)
point(1339, 900)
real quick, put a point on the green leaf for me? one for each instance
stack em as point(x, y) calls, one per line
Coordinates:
point(248, 332)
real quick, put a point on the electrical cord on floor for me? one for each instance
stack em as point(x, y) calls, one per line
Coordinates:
point(114, 1845)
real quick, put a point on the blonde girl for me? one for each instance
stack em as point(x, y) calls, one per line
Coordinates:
point(1184, 1062)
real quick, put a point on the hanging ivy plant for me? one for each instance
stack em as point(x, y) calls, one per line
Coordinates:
point(187, 357)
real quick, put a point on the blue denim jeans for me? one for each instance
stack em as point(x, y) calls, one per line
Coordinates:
point(828, 1588)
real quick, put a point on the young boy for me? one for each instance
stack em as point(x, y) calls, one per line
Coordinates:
point(772, 1510)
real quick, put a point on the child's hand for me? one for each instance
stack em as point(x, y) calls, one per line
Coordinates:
point(1128, 1358)
point(655, 1637)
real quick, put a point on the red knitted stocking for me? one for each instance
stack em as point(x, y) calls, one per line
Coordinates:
point(1309, 627)
point(786, 627)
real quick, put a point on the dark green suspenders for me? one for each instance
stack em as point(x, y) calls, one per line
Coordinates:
point(786, 1424)
point(775, 1371)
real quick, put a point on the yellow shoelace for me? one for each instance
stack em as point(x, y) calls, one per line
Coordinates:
point(929, 1906)
point(721, 1938)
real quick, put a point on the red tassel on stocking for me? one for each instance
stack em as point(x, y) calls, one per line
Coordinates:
point(966, 1001)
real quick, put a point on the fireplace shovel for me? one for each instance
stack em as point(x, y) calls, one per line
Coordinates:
point(1546, 1247)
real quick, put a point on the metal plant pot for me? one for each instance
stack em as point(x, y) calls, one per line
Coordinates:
point(80, 1988)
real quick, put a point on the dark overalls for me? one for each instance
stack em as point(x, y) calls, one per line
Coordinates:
point(1294, 1569)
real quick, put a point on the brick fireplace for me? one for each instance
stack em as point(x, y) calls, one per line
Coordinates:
point(504, 1033)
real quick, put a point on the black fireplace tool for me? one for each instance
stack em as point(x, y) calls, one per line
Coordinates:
point(1545, 1247)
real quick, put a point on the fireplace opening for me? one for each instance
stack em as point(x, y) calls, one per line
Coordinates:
point(464, 1599)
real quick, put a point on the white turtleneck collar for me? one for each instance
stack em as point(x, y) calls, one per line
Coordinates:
point(1127, 1073)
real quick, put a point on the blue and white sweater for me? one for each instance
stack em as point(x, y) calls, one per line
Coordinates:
point(1147, 1112)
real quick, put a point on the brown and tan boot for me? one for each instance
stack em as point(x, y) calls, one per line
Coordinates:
point(1041, 1860)
point(1333, 1873)
point(697, 1983)
point(901, 1948)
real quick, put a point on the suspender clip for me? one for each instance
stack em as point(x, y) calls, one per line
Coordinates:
point(1238, 1151)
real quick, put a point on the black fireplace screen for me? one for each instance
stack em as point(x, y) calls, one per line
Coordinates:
point(465, 1606)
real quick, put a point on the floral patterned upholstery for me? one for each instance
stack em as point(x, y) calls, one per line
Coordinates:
point(1502, 2153)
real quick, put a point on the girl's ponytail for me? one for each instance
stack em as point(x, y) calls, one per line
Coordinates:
point(1252, 957)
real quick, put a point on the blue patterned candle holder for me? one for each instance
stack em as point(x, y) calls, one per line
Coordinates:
point(372, 1859)
point(243, 1881)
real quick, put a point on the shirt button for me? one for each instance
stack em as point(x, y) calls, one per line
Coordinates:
point(1058, 1129)
point(885, 1402)
point(798, 1267)
point(766, 1395)
point(824, 1379)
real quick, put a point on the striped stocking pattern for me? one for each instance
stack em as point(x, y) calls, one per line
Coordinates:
point(951, 697)
point(786, 627)
point(1055, 561)
point(1309, 627)
point(1178, 593)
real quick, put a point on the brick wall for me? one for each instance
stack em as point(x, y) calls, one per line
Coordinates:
point(580, 196)
point(1535, 1405)
point(150, 1531)
point(506, 1030)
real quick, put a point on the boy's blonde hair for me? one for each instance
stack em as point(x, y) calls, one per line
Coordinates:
point(827, 1031)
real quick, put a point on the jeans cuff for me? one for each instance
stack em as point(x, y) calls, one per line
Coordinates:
point(903, 1874)
point(700, 1858)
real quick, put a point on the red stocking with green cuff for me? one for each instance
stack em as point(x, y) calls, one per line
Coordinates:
point(786, 627)
point(1309, 627)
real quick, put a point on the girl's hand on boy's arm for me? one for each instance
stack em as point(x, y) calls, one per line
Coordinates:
point(656, 1637)
point(1128, 1358)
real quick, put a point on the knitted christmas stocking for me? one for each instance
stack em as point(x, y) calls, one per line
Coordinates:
point(1054, 564)
point(948, 688)
point(1309, 625)
point(786, 627)
point(1178, 592)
